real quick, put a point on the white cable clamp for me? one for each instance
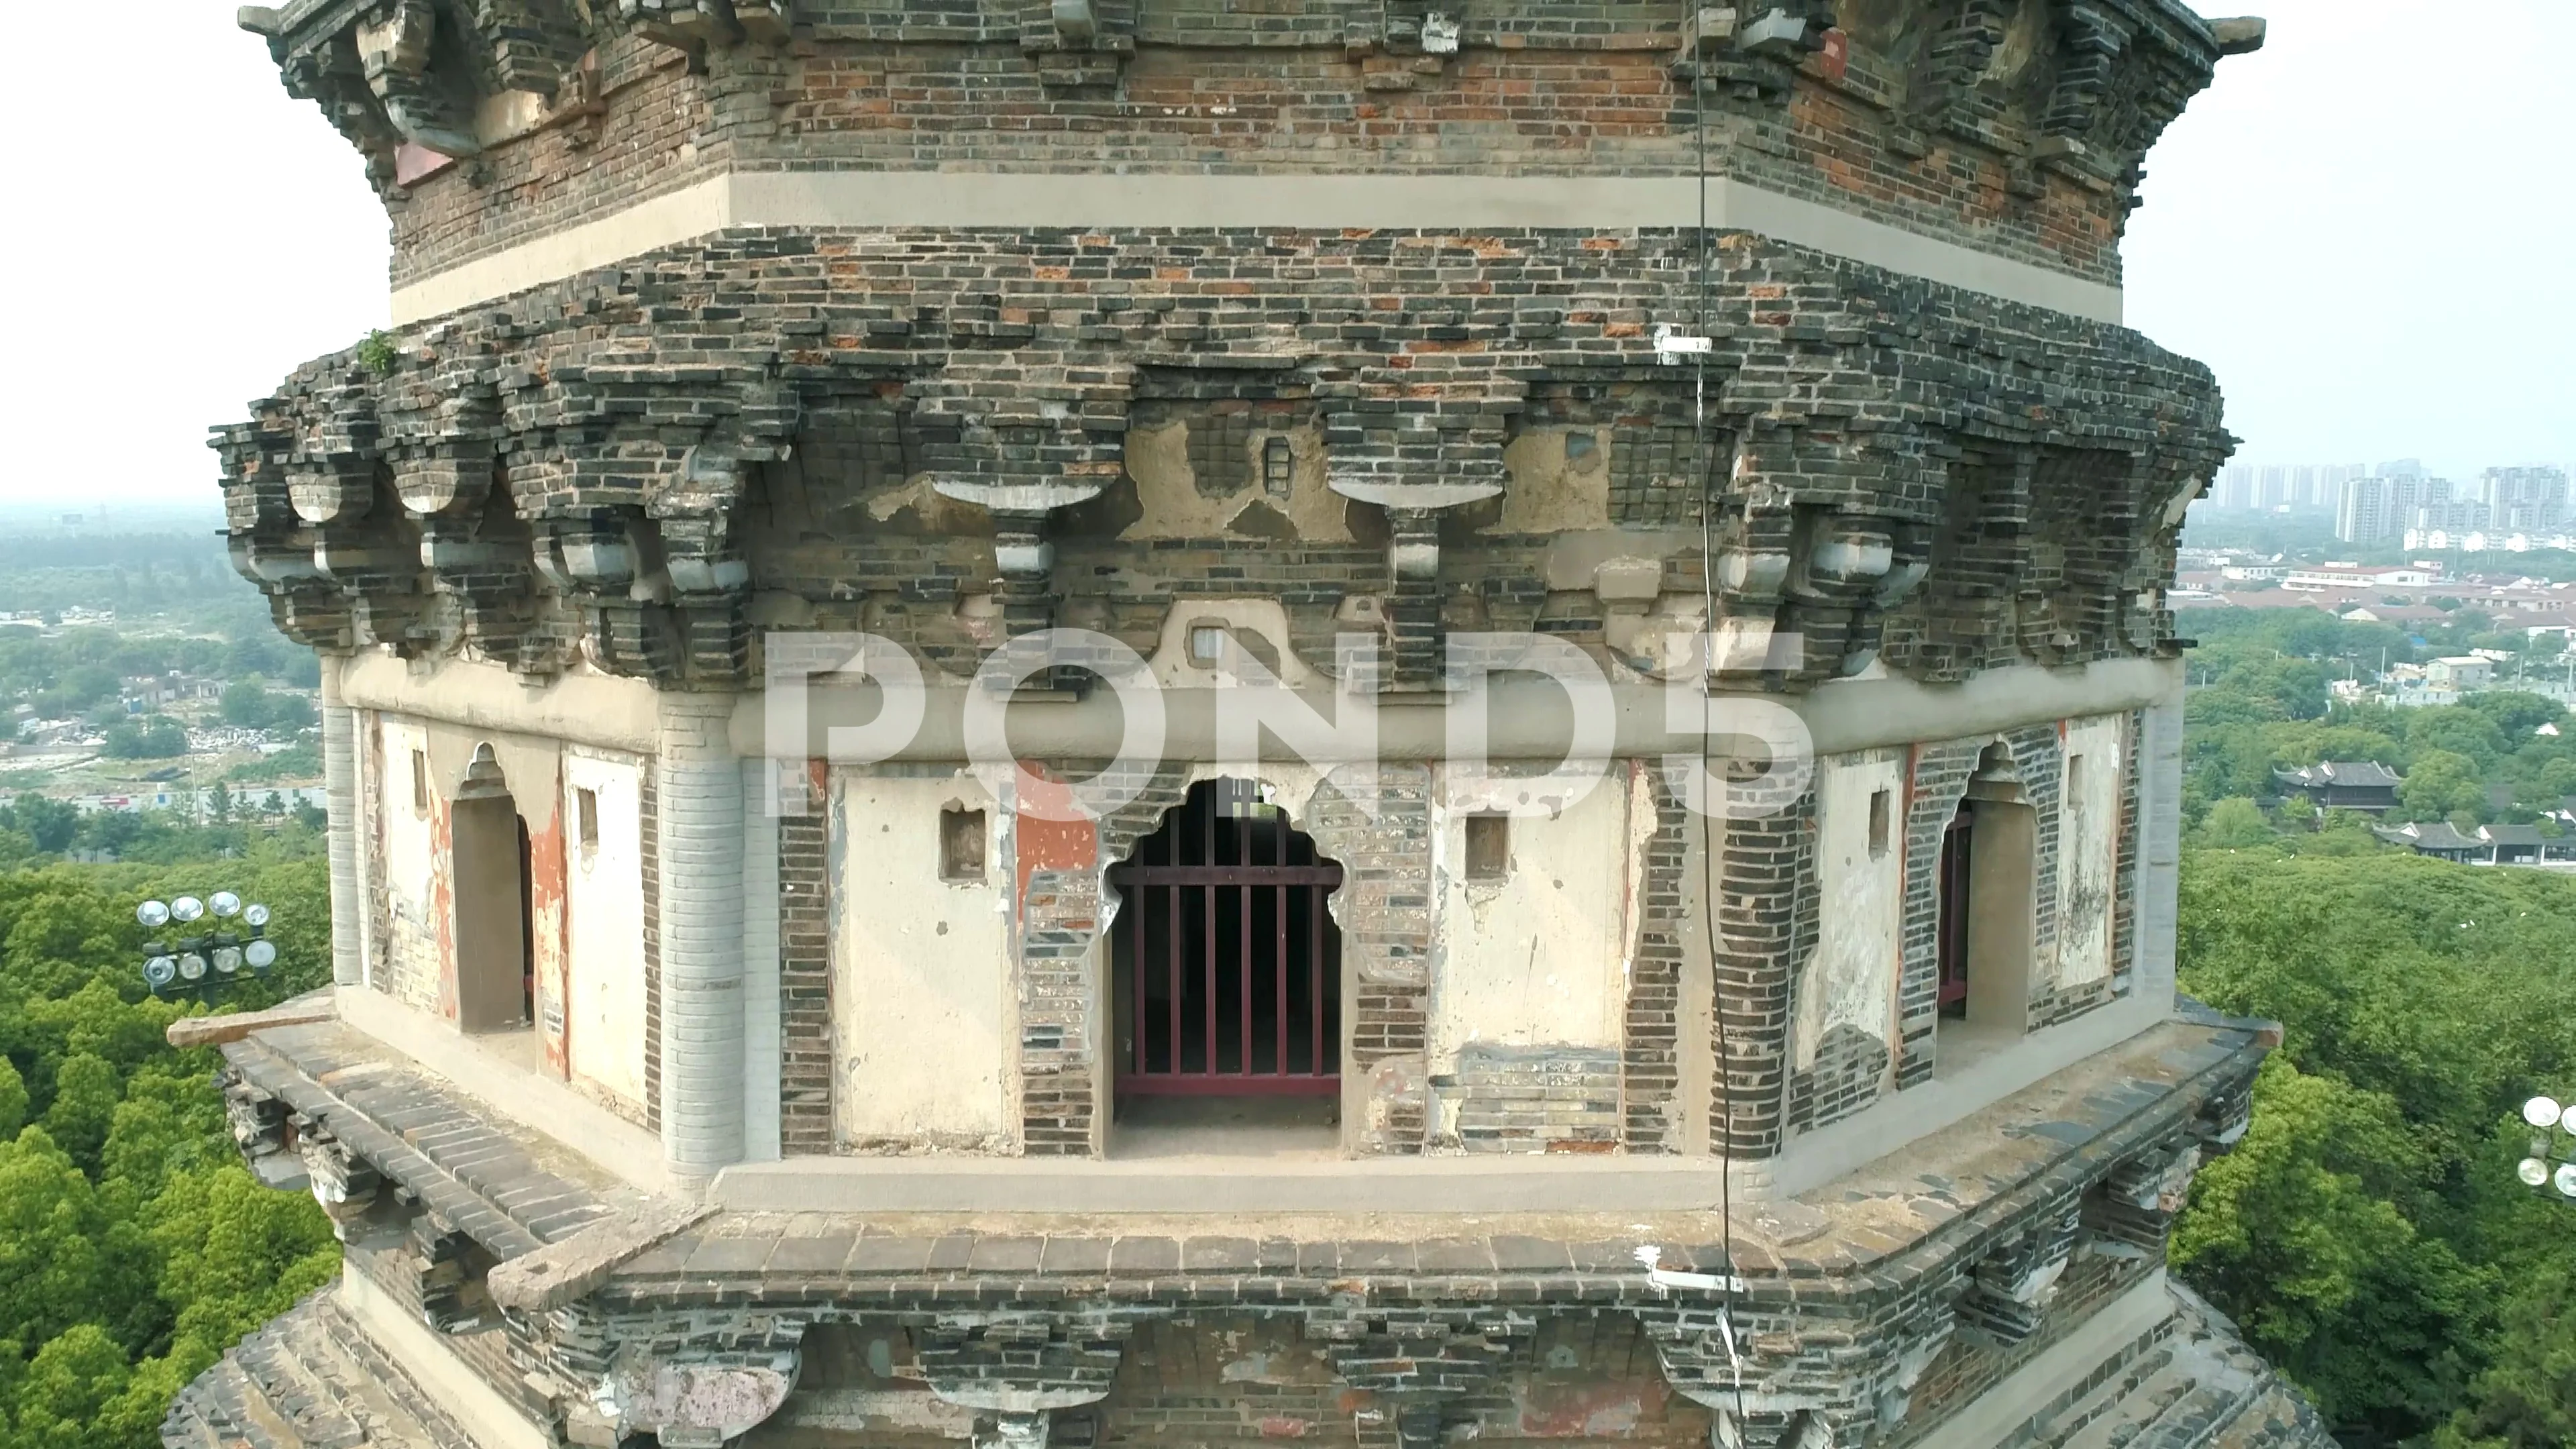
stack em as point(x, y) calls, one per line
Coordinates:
point(1664, 1280)
point(1671, 346)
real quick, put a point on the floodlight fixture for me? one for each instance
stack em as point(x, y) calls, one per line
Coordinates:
point(2541, 1112)
point(204, 960)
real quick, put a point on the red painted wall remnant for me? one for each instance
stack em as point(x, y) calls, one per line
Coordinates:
point(1043, 844)
point(442, 899)
point(547, 886)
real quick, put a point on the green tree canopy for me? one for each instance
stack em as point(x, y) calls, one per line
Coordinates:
point(2368, 1232)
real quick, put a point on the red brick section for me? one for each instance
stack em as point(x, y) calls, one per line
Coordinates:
point(1057, 866)
point(1564, 90)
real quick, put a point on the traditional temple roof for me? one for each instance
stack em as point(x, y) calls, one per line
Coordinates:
point(2346, 774)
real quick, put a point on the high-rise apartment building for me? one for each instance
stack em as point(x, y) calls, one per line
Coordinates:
point(2524, 500)
point(2370, 511)
point(2235, 487)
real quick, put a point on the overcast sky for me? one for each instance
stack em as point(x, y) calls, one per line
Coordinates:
point(2366, 229)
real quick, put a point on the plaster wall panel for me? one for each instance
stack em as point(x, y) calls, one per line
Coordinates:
point(412, 821)
point(605, 895)
point(1845, 1019)
point(1850, 979)
point(922, 1011)
point(1538, 955)
point(2088, 839)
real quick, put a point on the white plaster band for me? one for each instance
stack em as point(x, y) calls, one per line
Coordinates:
point(1187, 200)
point(1528, 720)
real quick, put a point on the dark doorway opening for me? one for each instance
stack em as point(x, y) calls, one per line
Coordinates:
point(494, 929)
point(1957, 844)
point(1225, 961)
point(527, 925)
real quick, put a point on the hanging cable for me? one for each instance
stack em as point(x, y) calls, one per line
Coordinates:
point(1704, 466)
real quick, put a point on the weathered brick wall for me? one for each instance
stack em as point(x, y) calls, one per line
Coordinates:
point(644, 145)
point(500, 1354)
point(1543, 90)
point(1766, 922)
point(1023, 354)
point(649, 814)
point(1384, 910)
point(1059, 933)
point(1667, 930)
point(1576, 1377)
point(1971, 1364)
point(806, 1068)
point(1533, 1098)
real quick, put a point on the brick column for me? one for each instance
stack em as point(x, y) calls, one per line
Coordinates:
point(763, 1018)
point(2157, 824)
point(1763, 923)
point(340, 798)
point(699, 785)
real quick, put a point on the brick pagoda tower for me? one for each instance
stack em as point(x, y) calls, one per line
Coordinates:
point(693, 1076)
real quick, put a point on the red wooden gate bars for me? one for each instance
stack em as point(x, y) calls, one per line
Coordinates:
point(1233, 963)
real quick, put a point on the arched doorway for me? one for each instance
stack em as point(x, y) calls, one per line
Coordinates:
point(494, 901)
point(1225, 961)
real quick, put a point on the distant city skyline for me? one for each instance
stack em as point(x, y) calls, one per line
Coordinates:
point(2360, 246)
point(2359, 243)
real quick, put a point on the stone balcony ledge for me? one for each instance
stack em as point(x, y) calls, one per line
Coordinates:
point(1872, 1231)
point(323, 1100)
point(869, 1226)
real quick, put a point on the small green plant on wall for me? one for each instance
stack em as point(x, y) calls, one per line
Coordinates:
point(378, 354)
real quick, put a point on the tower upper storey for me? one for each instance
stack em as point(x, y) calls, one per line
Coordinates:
point(954, 321)
point(516, 141)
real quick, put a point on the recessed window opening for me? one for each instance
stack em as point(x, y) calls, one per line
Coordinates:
point(961, 844)
point(1225, 961)
point(1207, 644)
point(1881, 807)
point(1489, 846)
point(586, 818)
point(2074, 778)
point(420, 781)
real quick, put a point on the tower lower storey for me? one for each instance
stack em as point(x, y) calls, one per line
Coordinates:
point(1989, 1288)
